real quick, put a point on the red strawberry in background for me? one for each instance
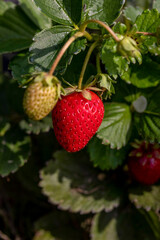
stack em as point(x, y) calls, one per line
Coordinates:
point(76, 119)
point(144, 163)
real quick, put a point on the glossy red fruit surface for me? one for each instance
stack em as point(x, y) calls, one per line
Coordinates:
point(144, 163)
point(76, 120)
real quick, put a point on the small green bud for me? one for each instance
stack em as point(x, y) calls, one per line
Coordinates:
point(128, 48)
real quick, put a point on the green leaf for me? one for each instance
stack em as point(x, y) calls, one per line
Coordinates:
point(116, 125)
point(115, 63)
point(16, 29)
point(146, 197)
point(20, 66)
point(14, 153)
point(103, 10)
point(120, 28)
point(104, 157)
point(149, 44)
point(63, 229)
point(36, 16)
point(74, 185)
point(148, 21)
point(126, 92)
point(36, 127)
point(121, 225)
point(148, 123)
point(153, 220)
point(66, 12)
point(144, 76)
point(48, 43)
point(131, 13)
point(5, 6)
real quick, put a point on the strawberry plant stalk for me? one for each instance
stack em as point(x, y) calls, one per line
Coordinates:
point(98, 63)
point(147, 33)
point(105, 26)
point(92, 47)
point(80, 33)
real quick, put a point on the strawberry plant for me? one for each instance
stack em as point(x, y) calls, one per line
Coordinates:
point(80, 120)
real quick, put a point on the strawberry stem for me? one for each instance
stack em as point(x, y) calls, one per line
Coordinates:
point(92, 47)
point(80, 33)
point(147, 33)
point(66, 46)
point(84, 25)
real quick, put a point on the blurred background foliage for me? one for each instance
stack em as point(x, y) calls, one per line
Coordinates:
point(26, 213)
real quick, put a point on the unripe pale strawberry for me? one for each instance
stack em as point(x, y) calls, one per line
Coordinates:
point(41, 96)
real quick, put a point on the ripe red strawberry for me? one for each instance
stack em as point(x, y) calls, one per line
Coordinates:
point(144, 163)
point(76, 120)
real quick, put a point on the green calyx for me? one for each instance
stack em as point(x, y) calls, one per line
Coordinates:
point(48, 81)
point(128, 48)
point(85, 91)
point(103, 83)
point(44, 77)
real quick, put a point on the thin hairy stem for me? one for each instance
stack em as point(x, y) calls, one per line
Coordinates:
point(92, 47)
point(147, 33)
point(84, 25)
